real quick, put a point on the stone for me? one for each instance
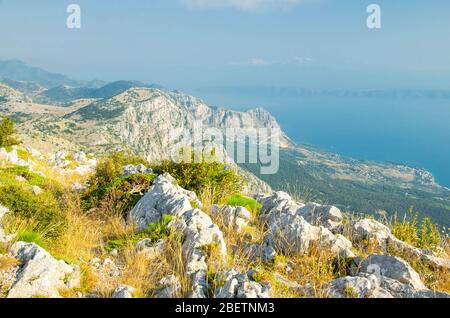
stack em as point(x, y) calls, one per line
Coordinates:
point(239, 285)
point(164, 197)
point(392, 267)
point(368, 229)
point(170, 287)
point(36, 190)
point(40, 275)
point(236, 218)
point(80, 157)
point(353, 287)
point(327, 216)
point(149, 249)
point(123, 291)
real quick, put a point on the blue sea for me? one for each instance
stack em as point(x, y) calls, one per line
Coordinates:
point(407, 130)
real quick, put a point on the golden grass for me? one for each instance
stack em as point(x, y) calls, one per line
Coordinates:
point(6, 262)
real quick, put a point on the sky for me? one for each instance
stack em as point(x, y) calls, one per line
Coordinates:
point(199, 43)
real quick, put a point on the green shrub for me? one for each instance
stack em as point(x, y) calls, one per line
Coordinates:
point(422, 234)
point(30, 237)
point(110, 167)
point(120, 195)
point(31, 177)
point(7, 132)
point(241, 200)
point(199, 177)
point(154, 232)
point(42, 208)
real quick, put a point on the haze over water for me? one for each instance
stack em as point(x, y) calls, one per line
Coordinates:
point(412, 131)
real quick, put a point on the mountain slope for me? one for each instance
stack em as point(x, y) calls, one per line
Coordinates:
point(141, 119)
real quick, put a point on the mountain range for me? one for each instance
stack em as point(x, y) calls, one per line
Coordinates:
point(54, 112)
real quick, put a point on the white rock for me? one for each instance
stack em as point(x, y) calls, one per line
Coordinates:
point(239, 285)
point(123, 291)
point(353, 287)
point(392, 267)
point(234, 217)
point(36, 190)
point(80, 157)
point(41, 274)
point(149, 249)
point(163, 198)
point(170, 287)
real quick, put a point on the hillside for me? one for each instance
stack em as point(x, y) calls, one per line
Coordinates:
point(141, 119)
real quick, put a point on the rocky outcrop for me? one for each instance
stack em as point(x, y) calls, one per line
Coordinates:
point(199, 234)
point(135, 169)
point(123, 291)
point(196, 227)
point(239, 285)
point(150, 249)
point(289, 232)
point(370, 230)
point(392, 267)
point(12, 158)
point(163, 198)
point(236, 218)
point(40, 275)
point(381, 276)
point(169, 287)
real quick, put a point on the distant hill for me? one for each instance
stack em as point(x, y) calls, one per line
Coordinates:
point(18, 71)
point(67, 94)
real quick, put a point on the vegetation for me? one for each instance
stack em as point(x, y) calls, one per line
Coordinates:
point(206, 176)
point(420, 233)
point(7, 133)
point(153, 232)
point(310, 183)
point(241, 200)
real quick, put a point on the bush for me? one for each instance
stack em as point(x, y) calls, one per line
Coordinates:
point(44, 208)
point(422, 234)
point(212, 177)
point(120, 195)
point(7, 132)
point(241, 200)
point(110, 167)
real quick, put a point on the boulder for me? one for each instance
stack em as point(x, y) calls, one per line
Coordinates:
point(80, 157)
point(150, 249)
point(164, 197)
point(368, 229)
point(40, 274)
point(170, 287)
point(239, 285)
point(233, 217)
point(327, 216)
point(123, 291)
point(292, 234)
point(36, 190)
point(289, 231)
point(392, 267)
point(3, 237)
point(353, 287)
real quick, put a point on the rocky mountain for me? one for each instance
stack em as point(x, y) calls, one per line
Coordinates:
point(131, 115)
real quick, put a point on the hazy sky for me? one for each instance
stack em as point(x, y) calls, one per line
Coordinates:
point(190, 43)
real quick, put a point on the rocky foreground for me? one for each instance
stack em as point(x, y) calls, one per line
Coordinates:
point(290, 231)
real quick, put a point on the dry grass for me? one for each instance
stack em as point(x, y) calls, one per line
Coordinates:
point(6, 262)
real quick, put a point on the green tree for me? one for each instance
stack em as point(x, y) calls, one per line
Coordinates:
point(7, 132)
